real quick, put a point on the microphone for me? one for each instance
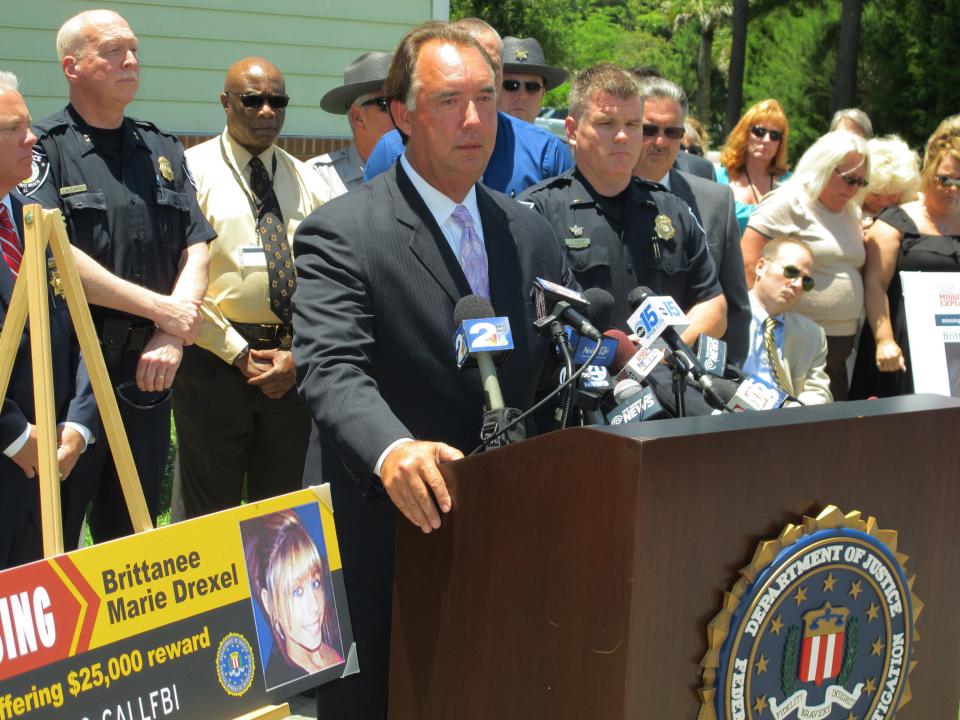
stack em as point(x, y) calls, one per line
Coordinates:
point(656, 317)
point(625, 349)
point(566, 306)
point(712, 354)
point(634, 404)
point(479, 338)
point(753, 394)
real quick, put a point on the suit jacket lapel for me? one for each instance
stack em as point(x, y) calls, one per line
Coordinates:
point(427, 240)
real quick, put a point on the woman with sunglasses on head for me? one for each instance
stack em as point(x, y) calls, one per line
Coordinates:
point(923, 235)
point(820, 205)
point(754, 160)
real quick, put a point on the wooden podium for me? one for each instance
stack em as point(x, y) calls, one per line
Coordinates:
point(577, 572)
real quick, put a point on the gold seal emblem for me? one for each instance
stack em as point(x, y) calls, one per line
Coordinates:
point(824, 615)
point(521, 54)
point(664, 227)
point(165, 168)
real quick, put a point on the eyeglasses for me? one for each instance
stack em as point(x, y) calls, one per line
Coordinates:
point(692, 149)
point(255, 101)
point(758, 131)
point(851, 181)
point(945, 181)
point(673, 133)
point(792, 272)
point(531, 86)
point(382, 102)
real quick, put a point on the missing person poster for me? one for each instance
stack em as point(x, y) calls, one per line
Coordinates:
point(932, 313)
point(210, 618)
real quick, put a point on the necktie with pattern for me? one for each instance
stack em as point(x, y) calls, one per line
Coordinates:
point(280, 270)
point(773, 357)
point(473, 255)
point(9, 241)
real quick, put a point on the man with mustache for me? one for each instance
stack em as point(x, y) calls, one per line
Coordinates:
point(664, 111)
point(235, 406)
point(141, 248)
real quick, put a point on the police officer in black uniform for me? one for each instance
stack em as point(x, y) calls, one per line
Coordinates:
point(131, 212)
point(620, 232)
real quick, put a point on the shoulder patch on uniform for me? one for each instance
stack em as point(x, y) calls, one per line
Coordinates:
point(39, 172)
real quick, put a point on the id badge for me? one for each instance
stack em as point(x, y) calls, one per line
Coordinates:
point(252, 257)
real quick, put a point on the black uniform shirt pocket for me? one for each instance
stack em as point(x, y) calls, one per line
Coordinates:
point(588, 258)
point(173, 207)
point(86, 216)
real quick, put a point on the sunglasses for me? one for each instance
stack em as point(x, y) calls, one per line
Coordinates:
point(382, 102)
point(255, 101)
point(945, 181)
point(531, 86)
point(851, 181)
point(792, 272)
point(758, 131)
point(673, 133)
point(692, 149)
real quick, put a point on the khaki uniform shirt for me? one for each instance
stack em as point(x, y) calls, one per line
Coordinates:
point(238, 289)
point(342, 169)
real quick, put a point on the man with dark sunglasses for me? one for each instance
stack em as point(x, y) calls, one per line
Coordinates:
point(526, 77)
point(786, 348)
point(524, 154)
point(238, 415)
point(361, 99)
point(141, 250)
point(664, 112)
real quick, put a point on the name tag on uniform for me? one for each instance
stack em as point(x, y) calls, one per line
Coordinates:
point(252, 257)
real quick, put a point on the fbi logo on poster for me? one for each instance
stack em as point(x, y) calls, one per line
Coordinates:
point(235, 664)
point(819, 627)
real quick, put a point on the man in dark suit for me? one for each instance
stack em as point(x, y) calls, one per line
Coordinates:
point(380, 271)
point(665, 107)
point(20, 537)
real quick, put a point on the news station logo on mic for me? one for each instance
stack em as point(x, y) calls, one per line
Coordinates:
point(652, 317)
point(820, 625)
point(482, 335)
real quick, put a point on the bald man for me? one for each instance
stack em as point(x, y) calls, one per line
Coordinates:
point(141, 249)
point(236, 409)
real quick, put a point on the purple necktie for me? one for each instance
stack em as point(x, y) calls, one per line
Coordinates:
point(473, 256)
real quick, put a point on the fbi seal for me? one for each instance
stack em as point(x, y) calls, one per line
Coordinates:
point(235, 664)
point(820, 626)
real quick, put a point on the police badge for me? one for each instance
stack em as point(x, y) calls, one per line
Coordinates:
point(664, 228)
point(165, 169)
point(823, 616)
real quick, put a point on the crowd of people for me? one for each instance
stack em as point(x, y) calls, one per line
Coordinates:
point(297, 317)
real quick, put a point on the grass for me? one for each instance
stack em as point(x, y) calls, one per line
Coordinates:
point(166, 487)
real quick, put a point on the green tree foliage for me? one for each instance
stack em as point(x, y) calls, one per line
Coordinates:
point(907, 75)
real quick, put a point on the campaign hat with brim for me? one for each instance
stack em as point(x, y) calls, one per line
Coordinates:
point(363, 75)
point(525, 56)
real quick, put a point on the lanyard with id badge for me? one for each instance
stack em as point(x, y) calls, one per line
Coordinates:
point(250, 258)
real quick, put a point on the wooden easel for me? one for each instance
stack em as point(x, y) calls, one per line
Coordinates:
point(30, 298)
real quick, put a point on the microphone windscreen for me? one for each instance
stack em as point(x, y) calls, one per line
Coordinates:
point(472, 307)
point(625, 349)
point(600, 310)
point(723, 387)
point(637, 296)
point(626, 389)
